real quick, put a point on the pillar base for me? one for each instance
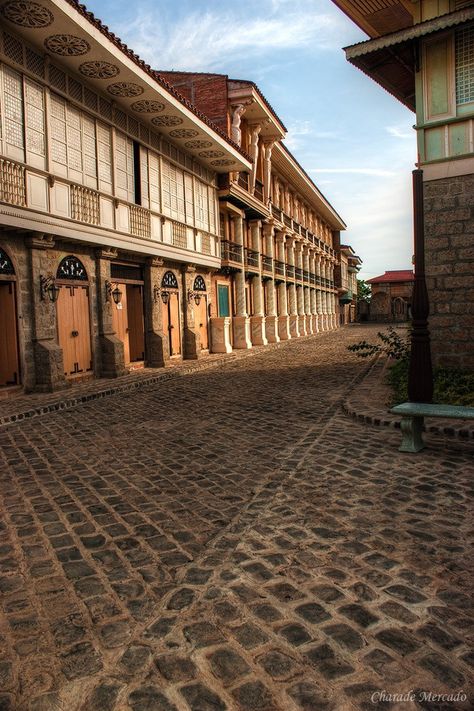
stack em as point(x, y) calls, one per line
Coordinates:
point(49, 368)
point(271, 329)
point(309, 324)
point(112, 363)
point(302, 325)
point(154, 350)
point(314, 323)
point(258, 330)
point(220, 335)
point(294, 322)
point(191, 348)
point(241, 328)
point(284, 328)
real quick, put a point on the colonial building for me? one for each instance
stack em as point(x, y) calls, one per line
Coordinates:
point(346, 271)
point(422, 52)
point(109, 220)
point(278, 232)
point(391, 296)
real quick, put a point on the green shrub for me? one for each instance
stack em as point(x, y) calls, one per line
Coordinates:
point(451, 386)
point(393, 345)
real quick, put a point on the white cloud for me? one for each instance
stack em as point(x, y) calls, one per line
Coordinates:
point(399, 132)
point(357, 171)
point(212, 39)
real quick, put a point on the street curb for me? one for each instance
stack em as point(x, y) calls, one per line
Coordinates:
point(387, 420)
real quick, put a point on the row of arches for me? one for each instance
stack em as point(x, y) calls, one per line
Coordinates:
point(73, 317)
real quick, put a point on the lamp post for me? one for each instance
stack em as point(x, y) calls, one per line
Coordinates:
point(420, 375)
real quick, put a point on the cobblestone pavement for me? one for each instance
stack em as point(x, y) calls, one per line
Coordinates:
point(232, 540)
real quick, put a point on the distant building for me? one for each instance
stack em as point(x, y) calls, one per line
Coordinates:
point(391, 296)
point(423, 54)
point(345, 276)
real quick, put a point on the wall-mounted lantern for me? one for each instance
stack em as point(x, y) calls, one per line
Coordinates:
point(48, 287)
point(112, 290)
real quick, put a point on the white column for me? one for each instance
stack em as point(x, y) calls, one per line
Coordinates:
point(254, 136)
point(300, 290)
point(271, 317)
point(319, 294)
point(283, 317)
point(257, 321)
point(306, 293)
point(314, 308)
point(241, 321)
point(292, 304)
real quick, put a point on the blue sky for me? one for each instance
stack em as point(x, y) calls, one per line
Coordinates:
point(355, 140)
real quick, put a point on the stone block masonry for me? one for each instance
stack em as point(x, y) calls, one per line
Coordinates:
point(449, 240)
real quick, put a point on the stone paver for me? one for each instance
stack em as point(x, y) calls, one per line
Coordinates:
point(233, 540)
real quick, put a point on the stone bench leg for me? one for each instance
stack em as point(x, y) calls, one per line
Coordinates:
point(412, 434)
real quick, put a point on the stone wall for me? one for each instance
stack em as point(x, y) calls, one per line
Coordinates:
point(449, 240)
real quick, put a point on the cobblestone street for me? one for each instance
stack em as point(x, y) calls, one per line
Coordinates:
point(232, 540)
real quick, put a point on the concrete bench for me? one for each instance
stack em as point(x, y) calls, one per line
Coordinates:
point(412, 414)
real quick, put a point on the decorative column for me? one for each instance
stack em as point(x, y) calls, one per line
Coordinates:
point(306, 294)
point(111, 351)
point(283, 318)
point(267, 170)
point(48, 356)
point(241, 321)
point(319, 294)
point(156, 342)
point(254, 136)
point(334, 319)
point(257, 321)
point(325, 295)
point(191, 340)
point(292, 302)
point(271, 318)
point(300, 290)
point(314, 308)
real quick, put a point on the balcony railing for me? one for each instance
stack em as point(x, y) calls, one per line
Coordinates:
point(276, 212)
point(267, 263)
point(312, 278)
point(85, 206)
point(279, 268)
point(290, 271)
point(12, 183)
point(306, 276)
point(287, 220)
point(258, 192)
point(252, 258)
point(298, 274)
point(231, 251)
point(243, 181)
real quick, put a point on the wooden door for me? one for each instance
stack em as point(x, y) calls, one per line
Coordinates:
point(120, 322)
point(9, 367)
point(175, 330)
point(223, 305)
point(65, 319)
point(74, 329)
point(166, 324)
point(136, 326)
point(82, 329)
point(200, 316)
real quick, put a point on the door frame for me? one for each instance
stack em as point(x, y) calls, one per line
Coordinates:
point(134, 282)
point(12, 279)
point(82, 284)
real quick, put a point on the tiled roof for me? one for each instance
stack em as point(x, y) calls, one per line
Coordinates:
point(90, 17)
point(400, 275)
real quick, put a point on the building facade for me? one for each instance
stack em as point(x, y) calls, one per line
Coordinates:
point(391, 296)
point(346, 272)
point(423, 53)
point(278, 232)
point(109, 221)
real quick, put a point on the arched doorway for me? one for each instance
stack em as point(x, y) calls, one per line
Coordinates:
point(171, 315)
point(73, 318)
point(9, 360)
point(201, 312)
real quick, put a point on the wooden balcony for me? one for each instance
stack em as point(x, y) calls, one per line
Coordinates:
point(258, 192)
point(306, 276)
point(267, 264)
point(298, 274)
point(290, 272)
point(279, 268)
point(231, 251)
point(251, 261)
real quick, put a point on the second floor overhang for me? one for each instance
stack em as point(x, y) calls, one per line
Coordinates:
point(394, 59)
point(72, 38)
point(257, 109)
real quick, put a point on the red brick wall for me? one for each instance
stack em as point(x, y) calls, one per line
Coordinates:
point(208, 93)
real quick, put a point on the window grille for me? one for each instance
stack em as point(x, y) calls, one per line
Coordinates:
point(465, 65)
point(13, 48)
point(179, 235)
point(169, 281)
point(34, 63)
point(57, 78)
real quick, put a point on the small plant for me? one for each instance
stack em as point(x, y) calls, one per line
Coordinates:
point(393, 345)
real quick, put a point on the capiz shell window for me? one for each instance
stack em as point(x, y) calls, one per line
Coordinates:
point(465, 65)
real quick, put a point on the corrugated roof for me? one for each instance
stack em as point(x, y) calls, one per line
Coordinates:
point(394, 276)
point(410, 33)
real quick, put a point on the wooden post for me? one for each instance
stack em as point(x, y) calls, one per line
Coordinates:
point(420, 376)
